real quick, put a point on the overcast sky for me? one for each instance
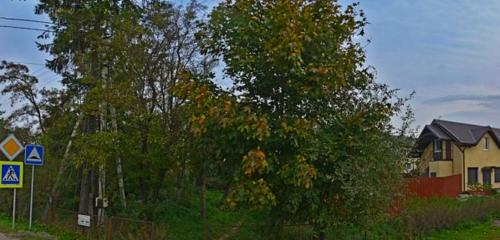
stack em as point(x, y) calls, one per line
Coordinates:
point(448, 51)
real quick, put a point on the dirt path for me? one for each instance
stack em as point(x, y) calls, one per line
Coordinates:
point(235, 229)
point(3, 236)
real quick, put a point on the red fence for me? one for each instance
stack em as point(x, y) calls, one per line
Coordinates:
point(434, 187)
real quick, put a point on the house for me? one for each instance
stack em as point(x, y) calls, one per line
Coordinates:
point(447, 148)
point(410, 166)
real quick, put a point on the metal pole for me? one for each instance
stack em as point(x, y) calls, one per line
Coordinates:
point(14, 210)
point(31, 195)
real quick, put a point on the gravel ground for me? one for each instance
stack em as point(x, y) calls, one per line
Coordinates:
point(6, 237)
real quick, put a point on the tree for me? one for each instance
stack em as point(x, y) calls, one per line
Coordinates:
point(120, 66)
point(21, 86)
point(328, 153)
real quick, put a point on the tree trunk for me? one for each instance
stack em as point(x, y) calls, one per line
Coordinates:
point(203, 200)
point(145, 188)
point(91, 195)
point(276, 224)
point(101, 178)
point(227, 190)
point(119, 169)
point(159, 184)
point(180, 182)
point(62, 166)
point(83, 207)
point(320, 230)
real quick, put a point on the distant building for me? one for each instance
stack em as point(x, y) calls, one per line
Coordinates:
point(447, 148)
point(410, 166)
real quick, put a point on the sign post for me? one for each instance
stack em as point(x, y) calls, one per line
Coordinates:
point(11, 147)
point(11, 177)
point(31, 195)
point(33, 155)
point(14, 210)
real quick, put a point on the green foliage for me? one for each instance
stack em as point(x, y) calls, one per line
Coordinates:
point(321, 146)
point(305, 135)
point(59, 232)
point(478, 187)
point(476, 230)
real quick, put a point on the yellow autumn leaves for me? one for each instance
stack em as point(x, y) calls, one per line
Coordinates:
point(254, 161)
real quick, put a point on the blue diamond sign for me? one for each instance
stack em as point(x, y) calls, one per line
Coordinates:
point(12, 174)
point(33, 155)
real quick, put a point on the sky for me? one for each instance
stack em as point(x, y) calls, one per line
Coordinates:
point(447, 51)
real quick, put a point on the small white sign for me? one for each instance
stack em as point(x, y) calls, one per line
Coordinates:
point(84, 220)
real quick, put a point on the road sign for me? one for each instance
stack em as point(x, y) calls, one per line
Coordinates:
point(12, 174)
point(33, 155)
point(11, 147)
point(84, 220)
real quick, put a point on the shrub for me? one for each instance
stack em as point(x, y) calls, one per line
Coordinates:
point(435, 217)
point(480, 188)
point(422, 217)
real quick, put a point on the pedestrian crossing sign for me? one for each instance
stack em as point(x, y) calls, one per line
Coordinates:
point(12, 174)
point(33, 155)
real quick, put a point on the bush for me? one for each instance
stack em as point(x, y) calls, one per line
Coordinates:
point(422, 217)
point(482, 189)
point(437, 216)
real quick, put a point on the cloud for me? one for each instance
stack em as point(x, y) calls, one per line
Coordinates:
point(484, 100)
point(475, 116)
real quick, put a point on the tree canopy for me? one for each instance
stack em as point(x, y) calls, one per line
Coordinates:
point(305, 131)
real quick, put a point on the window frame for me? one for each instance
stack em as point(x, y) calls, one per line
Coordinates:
point(497, 174)
point(436, 150)
point(469, 182)
point(408, 166)
point(486, 145)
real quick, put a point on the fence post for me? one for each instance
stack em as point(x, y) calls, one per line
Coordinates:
point(109, 229)
point(151, 236)
point(205, 231)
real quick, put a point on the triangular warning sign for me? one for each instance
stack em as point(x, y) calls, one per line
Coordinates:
point(10, 175)
point(34, 156)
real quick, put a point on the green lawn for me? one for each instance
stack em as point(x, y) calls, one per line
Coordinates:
point(22, 226)
point(480, 231)
point(180, 220)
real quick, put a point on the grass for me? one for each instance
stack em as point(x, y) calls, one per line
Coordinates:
point(180, 220)
point(22, 226)
point(480, 231)
point(173, 220)
point(435, 218)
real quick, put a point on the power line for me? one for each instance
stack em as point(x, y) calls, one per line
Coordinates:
point(45, 71)
point(38, 70)
point(24, 20)
point(49, 80)
point(28, 63)
point(26, 28)
point(25, 63)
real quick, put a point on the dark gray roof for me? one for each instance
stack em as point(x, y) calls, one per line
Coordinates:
point(436, 131)
point(463, 134)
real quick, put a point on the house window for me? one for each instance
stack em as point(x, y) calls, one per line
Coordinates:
point(438, 146)
point(433, 174)
point(497, 174)
point(486, 143)
point(438, 149)
point(472, 177)
point(408, 166)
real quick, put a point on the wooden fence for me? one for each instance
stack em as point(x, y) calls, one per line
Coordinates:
point(434, 187)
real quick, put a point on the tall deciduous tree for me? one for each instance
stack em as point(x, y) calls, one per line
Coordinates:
point(21, 86)
point(327, 156)
point(121, 63)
